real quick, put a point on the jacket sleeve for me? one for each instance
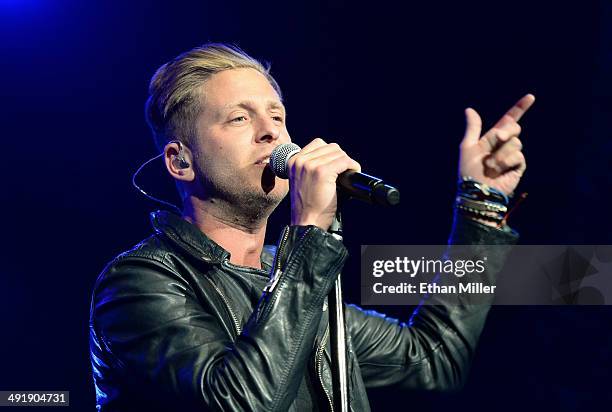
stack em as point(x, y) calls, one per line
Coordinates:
point(433, 350)
point(146, 316)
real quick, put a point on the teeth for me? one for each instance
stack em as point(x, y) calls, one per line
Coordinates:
point(265, 161)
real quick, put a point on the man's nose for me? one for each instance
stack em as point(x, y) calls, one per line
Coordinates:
point(268, 131)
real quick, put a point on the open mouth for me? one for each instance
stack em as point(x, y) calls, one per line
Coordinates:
point(264, 161)
point(268, 178)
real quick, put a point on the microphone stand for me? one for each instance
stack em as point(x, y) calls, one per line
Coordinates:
point(338, 330)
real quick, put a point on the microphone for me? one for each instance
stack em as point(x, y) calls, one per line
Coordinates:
point(354, 184)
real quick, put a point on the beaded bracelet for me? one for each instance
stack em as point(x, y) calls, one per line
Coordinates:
point(479, 214)
point(484, 205)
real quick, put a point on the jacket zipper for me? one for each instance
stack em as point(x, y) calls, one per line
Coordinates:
point(319, 358)
point(276, 270)
point(269, 288)
point(229, 308)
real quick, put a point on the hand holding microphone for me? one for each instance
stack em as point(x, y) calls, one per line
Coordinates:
point(316, 172)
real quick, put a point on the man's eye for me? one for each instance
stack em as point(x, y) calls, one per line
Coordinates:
point(238, 119)
point(278, 118)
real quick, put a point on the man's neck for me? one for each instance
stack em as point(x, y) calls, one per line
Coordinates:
point(243, 240)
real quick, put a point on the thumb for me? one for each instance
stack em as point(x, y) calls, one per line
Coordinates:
point(473, 127)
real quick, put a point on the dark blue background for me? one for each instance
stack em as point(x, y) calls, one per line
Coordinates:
point(387, 80)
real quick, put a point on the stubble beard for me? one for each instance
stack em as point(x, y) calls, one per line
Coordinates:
point(238, 202)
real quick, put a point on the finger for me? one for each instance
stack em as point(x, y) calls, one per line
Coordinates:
point(496, 137)
point(321, 150)
point(517, 111)
point(336, 161)
point(325, 165)
point(298, 160)
point(473, 127)
point(512, 127)
point(321, 155)
point(512, 145)
point(316, 143)
point(303, 158)
point(342, 164)
point(512, 161)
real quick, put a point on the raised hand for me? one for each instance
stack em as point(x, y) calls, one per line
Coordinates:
point(495, 158)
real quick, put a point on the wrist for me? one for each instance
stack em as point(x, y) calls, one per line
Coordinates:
point(309, 220)
point(484, 222)
point(481, 203)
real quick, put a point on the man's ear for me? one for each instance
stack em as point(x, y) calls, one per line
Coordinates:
point(178, 160)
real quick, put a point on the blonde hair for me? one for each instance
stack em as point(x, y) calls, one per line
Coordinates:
point(174, 92)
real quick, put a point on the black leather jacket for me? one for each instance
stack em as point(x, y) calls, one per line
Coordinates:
point(174, 326)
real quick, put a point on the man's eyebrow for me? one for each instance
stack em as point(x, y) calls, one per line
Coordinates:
point(276, 105)
point(247, 104)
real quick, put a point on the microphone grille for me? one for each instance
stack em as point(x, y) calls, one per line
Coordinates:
point(279, 157)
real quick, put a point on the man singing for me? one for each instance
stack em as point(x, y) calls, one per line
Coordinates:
point(185, 321)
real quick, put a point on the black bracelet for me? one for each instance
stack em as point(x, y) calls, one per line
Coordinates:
point(480, 201)
point(471, 189)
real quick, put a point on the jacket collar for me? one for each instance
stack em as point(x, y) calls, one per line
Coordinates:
point(190, 238)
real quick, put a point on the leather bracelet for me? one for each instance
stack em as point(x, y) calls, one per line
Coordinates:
point(471, 189)
point(480, 201)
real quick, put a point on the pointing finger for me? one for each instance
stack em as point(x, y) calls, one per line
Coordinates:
point(517, 111)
